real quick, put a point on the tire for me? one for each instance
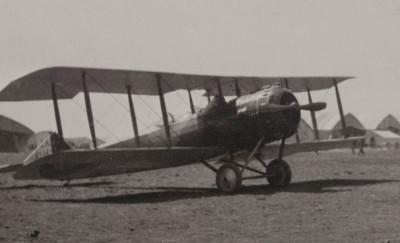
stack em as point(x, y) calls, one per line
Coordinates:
point(279, 173)
point(228, 178)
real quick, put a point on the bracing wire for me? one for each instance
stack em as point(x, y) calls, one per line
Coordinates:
point(325, 94)
point(95, 120)
point(125, 108)
point(177, 94)
point(144, 102)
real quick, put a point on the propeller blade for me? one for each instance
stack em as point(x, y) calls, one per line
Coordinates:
point(317, 106)
point(279, 108)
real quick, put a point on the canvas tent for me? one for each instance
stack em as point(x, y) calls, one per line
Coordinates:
point(380, 132)
point(330, 126)
point(376, 122)
point(389, 123)
point(13, 135)
point(383, 139)
point(304, 132)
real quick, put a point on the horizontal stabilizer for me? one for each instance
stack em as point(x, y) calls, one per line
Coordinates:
point(7, 168)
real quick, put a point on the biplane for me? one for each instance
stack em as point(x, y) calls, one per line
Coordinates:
point(225, 136)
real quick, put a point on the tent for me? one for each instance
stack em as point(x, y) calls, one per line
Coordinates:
point(389, 123)
point(383, 139)
point(304, 131)
point(13, 135)
point(330, 126)
point(375, 122)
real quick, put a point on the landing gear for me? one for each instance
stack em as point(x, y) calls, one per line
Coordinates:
point(279, 174)
point(229, 178)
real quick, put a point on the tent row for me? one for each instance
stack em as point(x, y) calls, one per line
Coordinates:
point(379, 132)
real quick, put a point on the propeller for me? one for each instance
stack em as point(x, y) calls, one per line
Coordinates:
point(317, 106)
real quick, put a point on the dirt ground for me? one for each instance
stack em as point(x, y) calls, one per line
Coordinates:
point(334, 197)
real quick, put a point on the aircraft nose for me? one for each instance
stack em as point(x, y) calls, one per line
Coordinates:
point(284, 97)
point(286, 115)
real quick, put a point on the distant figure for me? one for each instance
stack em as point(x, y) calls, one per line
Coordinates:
point(353, 147)
point(361, 152)
point(372, 142)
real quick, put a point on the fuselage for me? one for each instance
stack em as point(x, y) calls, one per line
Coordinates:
point(221, 126)
point(236, 124)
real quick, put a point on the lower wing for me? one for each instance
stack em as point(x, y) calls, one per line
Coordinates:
point(79, 164)
point(272, 150)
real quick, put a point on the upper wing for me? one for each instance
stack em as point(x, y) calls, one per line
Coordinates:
point(272, 150)
point(68, 81)
point(78, 164)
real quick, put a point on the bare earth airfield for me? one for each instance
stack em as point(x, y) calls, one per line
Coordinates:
point(335, 197)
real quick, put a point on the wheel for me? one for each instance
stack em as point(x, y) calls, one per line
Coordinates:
point(229, 178)
point(279, 173)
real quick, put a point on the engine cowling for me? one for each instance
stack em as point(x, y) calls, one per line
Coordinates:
point(268, 109)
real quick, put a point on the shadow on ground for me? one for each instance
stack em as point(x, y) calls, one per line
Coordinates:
point(166, 194)
point(33, 186)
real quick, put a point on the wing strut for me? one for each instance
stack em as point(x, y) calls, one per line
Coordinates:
point(191, 101)
point(339, 102)
point(297, 136)
point(89, 110)
point(208, 96)
point(57, 111)
point(285, 83)
point(313, 119)
point(237, 88)
point(219, 88)
point(133, 116)
point(163, 109)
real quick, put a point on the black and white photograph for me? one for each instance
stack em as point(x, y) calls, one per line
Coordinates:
point(200, 121)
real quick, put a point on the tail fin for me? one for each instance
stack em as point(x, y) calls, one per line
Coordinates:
point(38, 145)
point(43, 144)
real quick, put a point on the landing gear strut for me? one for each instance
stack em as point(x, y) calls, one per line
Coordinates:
point(229, 176)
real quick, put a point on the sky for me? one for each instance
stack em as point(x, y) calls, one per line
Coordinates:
point(358, 38)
